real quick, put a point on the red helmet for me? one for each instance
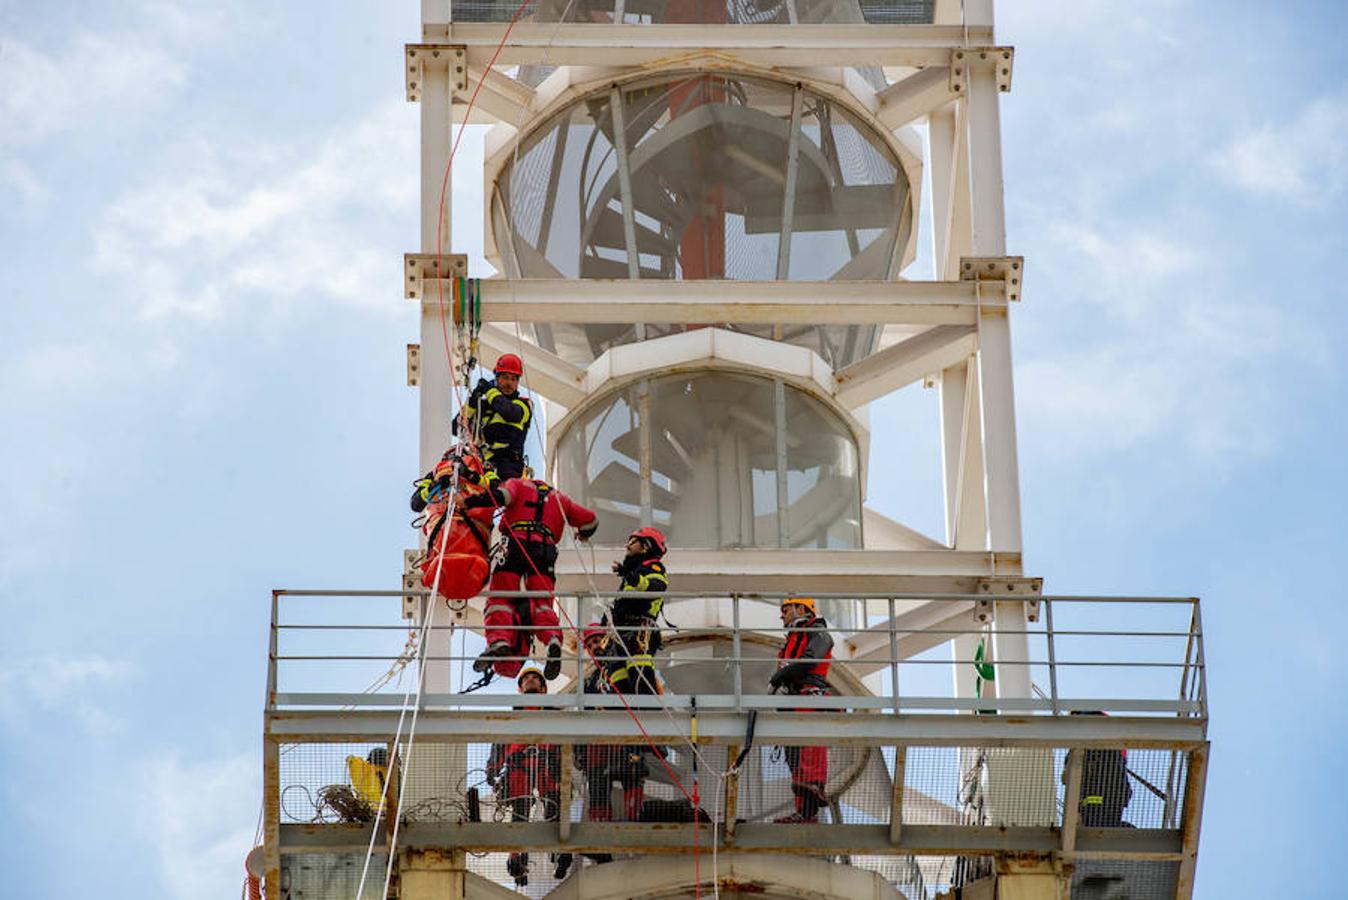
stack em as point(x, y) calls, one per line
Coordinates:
point(510, 364)
point(653, 535)
point(594, 629)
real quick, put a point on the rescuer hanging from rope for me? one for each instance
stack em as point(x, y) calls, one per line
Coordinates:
point(802, 670)
point(466, 549)
point(635, 617)
point(604, 764)
point(499, 418)
point(518, 773)
point(533, 516)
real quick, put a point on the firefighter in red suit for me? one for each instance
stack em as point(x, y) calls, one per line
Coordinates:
point(533, 516)
point(802, 670)
point(519, 772)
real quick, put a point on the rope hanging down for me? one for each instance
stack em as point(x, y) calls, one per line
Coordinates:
point(468, 319)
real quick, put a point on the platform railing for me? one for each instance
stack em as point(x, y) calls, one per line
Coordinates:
point(1118, 655)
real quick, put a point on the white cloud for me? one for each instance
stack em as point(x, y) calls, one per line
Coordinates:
point(1304, 160)
point(1145, 341)
point(219, 234)
point(23, 181)
point(51, 93)
point(201, 819)
point(55, 685)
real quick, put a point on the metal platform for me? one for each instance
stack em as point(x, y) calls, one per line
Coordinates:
point(926, 788)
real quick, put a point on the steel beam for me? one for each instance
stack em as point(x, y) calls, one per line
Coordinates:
point(642, 837)
point(1194, 787)
point(545, 373)
point(501, 97)
point(915, 96)
point(436, 386)
point(1071, 806)
point(271, 812)
point(612, 301)
point(907, 361)
point(561, 726)
point(718, 572)
point(896, 796)
point(773, 46)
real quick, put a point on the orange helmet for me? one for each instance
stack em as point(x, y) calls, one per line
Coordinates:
point(509, 364)
point(653, 535)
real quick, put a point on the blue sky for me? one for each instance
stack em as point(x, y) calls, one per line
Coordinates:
point(203, 209)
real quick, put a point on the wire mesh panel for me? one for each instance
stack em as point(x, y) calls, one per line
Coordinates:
point(1126, 788)
point(707, 12)
point(332, 876)
point(1117, 879)
point(331, 782)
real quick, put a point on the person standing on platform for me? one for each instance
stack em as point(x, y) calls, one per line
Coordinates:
point(802, 671)
point(520, 772)
point(641, 570)
point(603, 764)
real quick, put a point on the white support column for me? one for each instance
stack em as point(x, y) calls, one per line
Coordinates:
point(952, 392)
point(431, 874)
point(978, 13)
point(941, 144)
point(959, 237)
point(989, 239)
point(997, 395)
point(435, 238)
point(427, 764)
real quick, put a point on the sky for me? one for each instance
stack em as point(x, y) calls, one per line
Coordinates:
point(203, 208)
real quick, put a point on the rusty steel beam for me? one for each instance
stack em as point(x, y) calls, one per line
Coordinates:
point(757, 837)
point(1192, 820)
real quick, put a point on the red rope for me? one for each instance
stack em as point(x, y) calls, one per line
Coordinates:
point(449, 356)
point(697, 854)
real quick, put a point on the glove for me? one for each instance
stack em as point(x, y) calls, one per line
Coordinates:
point(483, 385)
point(778, 679)
point(469, 475)
point(620, 568)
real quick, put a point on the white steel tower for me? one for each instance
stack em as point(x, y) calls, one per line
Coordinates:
point(700, 212)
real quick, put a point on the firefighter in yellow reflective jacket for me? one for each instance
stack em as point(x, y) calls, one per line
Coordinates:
point(640, 571)
point(500, 418)
point(367, 776)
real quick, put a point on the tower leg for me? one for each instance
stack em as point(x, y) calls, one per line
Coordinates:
point(432, 874)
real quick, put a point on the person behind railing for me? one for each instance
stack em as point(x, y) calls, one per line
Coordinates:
point(802, 671)
point(604, 764)
point(518, 772)
point(533, 516)
point(1105, 791)
point(635, 617)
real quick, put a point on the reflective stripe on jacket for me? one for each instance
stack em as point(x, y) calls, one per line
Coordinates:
point(804, 659)
point(640, 575)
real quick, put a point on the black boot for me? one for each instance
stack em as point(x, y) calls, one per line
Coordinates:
point(563, 865)
point(517, 865)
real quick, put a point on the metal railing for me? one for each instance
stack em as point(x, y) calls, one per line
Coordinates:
point(874, 12)
point(1121, 655)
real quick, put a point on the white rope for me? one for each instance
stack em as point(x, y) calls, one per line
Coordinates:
point(405, 764)
point(426, 625)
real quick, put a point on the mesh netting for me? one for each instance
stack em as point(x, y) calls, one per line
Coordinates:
point(1116, 879)
point(738, 12)
point(331, 876)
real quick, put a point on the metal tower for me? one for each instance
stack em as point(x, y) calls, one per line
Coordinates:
point(700, 212)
